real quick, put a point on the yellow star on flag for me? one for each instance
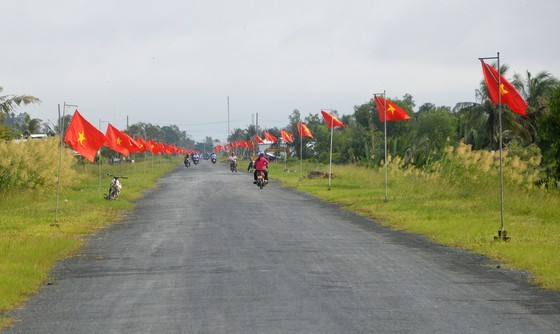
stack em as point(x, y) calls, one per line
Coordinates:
point(504, 91)
point(119, 141)
point(391, 109)
point(81, 138)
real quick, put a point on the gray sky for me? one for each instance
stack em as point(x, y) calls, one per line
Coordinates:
point(176, 61)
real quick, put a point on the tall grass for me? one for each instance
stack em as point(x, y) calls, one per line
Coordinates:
point(33, 165)
point(29, 241)
point(456, 203)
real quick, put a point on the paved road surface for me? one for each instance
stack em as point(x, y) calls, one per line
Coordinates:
point(208, 252)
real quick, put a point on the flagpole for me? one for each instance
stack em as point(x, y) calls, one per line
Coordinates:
point(300, 152)
point(385, 135)
point(99, 160)
point(330, 155)
point(502, 233)
point(386, 165)
point(61, 120)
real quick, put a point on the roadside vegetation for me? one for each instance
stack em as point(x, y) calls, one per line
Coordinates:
point(30, 241)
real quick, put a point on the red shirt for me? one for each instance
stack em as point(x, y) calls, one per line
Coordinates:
point(260, 164)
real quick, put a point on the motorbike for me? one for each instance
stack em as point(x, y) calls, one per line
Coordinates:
point(195, 160)
point(115, 187)
point(261, 181)
point(233, 166)
point(214, 160)
point(187, 162)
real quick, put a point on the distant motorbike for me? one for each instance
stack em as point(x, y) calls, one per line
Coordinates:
point(195, 160)
point(261, 181)
point(213, 160)
point(115, 187)
point(187, 162)
point(233, 166)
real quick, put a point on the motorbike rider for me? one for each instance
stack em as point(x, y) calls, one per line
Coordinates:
point(186, 161)
point(261, 163)
point(213, 156)
point(232, 159)
point(195, 158)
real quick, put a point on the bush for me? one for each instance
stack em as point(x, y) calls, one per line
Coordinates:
point(520, 166)
point(33, 165)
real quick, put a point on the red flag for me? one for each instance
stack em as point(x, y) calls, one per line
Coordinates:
point(286, 136)
point(117, 140)
point(83, 137)
point(510, 96)
point(331, 120)
point(133, 145)
point(270, 137)
point(304, 131)
point(154, 147)
point(143, 145)
point(259, 139)
point(394, 112)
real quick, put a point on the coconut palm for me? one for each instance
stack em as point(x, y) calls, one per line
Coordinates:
point(8, 103)
point(536, 91)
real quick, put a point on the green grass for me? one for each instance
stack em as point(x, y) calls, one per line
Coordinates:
point(31, 242)
point(460, 215)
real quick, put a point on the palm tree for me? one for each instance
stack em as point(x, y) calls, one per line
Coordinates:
point(8, 103)
point(536, 91)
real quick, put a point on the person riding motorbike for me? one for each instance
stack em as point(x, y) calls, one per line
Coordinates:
point(232, 160)
point(213, 157)
point(261, 164)
point(195, 158)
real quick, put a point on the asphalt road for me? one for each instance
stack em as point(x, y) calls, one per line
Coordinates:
point(208, 252)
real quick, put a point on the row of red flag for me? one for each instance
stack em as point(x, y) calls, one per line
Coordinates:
point(86, 139)
point(396, 113)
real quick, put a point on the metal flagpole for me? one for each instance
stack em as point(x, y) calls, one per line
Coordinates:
point(99, 160)
point(61, 127)
point(330, 156)
point(385, 131)
point(502, 233)
point(300, 151)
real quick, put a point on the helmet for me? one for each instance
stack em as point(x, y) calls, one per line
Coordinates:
point(261, 154)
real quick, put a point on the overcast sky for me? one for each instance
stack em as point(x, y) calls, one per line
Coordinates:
point(176, 61)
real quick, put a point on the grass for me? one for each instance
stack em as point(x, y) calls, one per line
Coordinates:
point(459, 215)
point(31, 242)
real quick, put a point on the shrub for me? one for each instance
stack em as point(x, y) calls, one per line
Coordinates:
point(461, 163)
point(33, 165)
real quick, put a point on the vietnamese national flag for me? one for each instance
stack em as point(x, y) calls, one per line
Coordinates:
point(270, 137)
point(286, 136)
point(117, 140)
point(259, 139)
point(304, 131)
point(510, 96)
point(153, 146)
point(142, 144)
point(393, 112)
point(83, 137)
point(133, 145)
point(331, 120)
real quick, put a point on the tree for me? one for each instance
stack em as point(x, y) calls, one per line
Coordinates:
point(536, 91)
point(8, 103)
point(549, 125)
point(434, 130)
